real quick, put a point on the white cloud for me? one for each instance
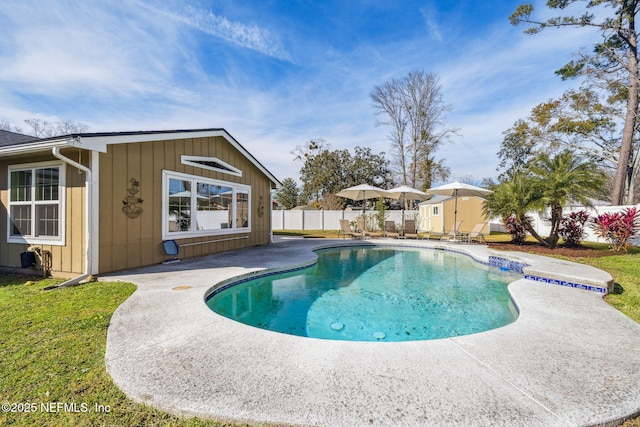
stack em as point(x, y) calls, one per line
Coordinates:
point(138, 67)
point(248, 36)
point(430, 17)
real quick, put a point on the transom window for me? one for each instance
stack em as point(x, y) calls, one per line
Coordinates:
point(35, 203)
point(210, 163)
point(197, 206)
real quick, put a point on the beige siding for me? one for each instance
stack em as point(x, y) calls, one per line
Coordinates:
point(128, 243)
point(67, 260)
point(469, 211)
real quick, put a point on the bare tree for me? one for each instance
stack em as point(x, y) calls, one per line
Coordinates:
point(44, 129)
point(5, 125)
point(388, 105)
point(415, 110)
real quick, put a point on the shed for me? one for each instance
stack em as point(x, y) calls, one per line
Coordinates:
point(437, 213)
point(102, 202)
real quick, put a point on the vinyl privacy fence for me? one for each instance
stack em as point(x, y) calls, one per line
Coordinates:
point(325, 219)
point(329, 219)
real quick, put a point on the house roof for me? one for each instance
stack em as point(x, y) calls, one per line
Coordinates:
point(99, 141)
point(8, 138)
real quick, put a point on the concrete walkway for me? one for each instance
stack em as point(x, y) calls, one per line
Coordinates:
point(569, 359)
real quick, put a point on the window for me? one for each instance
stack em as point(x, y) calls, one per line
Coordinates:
point(35, 204)
point(210, 163)
point(434, 212)
point(197, 206)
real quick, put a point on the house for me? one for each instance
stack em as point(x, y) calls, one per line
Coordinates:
point(437, 213)
point(102, 202)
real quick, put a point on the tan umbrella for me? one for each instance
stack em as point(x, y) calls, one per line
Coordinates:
point(362, 192)
point(456, 189)
point(403, 193)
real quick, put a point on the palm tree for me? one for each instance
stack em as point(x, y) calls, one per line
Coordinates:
point(515, 197)
point(549, 183)
point(563, 179)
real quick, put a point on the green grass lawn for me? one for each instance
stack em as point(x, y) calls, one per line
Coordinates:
point(53, 347)
point(52, 353)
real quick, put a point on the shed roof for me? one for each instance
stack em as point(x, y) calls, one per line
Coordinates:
point(436, 198)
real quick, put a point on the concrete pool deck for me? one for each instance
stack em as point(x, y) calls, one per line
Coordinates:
point(569, 359)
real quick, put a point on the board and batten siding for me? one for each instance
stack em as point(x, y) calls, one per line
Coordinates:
point(133, 242)
point(68, 259)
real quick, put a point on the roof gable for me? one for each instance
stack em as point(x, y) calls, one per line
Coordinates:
point(99, 142)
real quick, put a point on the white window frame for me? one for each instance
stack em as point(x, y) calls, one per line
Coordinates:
point(194, 232)
point(30, 239)
point(435, 210)
point(193, 161)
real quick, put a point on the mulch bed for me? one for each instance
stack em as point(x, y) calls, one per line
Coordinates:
point(536, 248)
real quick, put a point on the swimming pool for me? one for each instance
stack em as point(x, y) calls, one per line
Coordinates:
point(374, 294)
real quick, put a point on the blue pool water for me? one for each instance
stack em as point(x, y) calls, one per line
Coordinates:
point(375, 294)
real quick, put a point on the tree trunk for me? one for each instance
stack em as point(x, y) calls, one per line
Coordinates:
point(527, 226)
point(620, 187)
point(556, 217)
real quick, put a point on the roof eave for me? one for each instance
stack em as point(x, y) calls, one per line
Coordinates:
point(35, 147)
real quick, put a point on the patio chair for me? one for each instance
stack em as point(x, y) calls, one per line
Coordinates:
point(362, 226)
point(426, 234)
point(390, 229)
point(476, 234)
point(345, 230)
point(410, 230)
point(454, 234)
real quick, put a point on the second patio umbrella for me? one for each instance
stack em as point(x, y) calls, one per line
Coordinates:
point(456, 189)
point(404, 193)
point(362, 192)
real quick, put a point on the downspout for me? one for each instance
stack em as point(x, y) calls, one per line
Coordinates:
point(270, 215)
point(87, 233)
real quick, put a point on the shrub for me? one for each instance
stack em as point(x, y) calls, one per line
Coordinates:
point(515, 229)
point(381, 213)
point(617, 228)
point(572, 228)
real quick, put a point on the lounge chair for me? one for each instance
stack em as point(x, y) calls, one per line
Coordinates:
point(476, 233)
point(452, 235)
point(362, 226)
point(425, 235)
point(345, 230)
point(410, 230)
point(390, 229)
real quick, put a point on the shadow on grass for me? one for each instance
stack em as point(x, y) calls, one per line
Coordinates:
point(14, 279)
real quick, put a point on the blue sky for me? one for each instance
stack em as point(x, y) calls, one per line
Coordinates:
point(277, 74)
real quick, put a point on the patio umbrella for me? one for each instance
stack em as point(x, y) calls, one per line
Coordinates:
point(456, 189)
point(403, 193)
point(362, 192)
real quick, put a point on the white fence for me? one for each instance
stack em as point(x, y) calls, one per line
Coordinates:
point(326, 220)
point(329, 220)
point(542, 226)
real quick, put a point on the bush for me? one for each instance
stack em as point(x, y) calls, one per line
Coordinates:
point(572, 228)
point(381, 213)
point(515, 229)
point(617, 228)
